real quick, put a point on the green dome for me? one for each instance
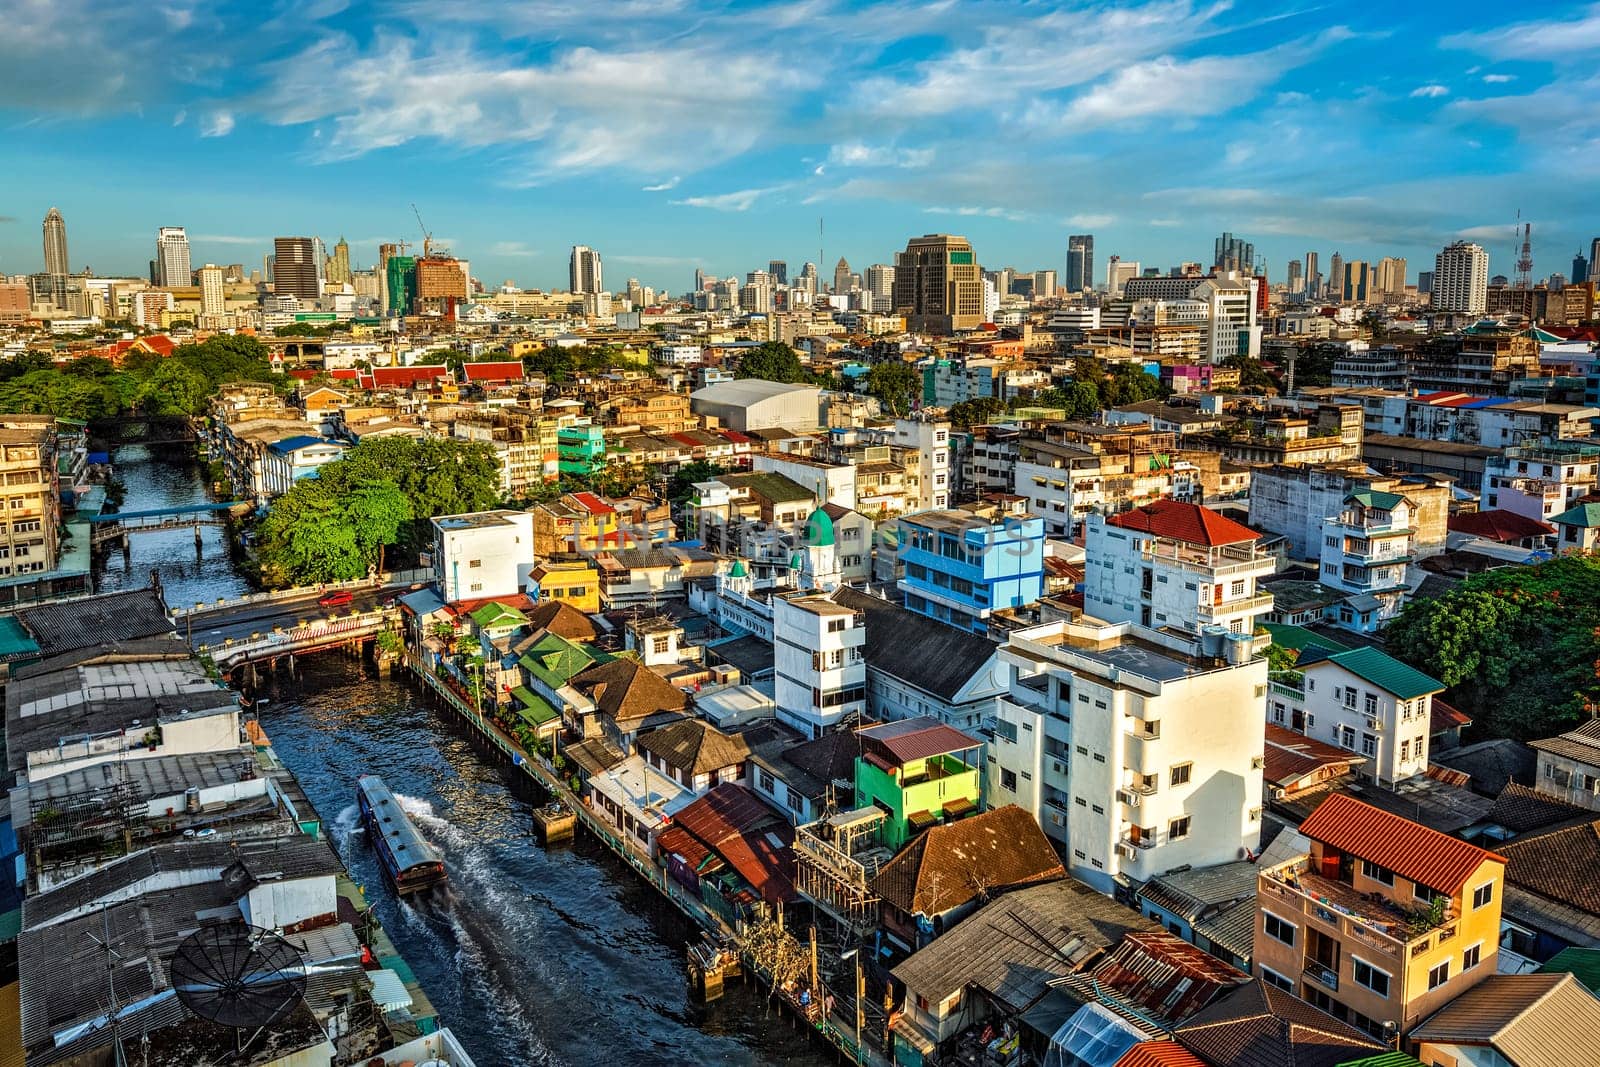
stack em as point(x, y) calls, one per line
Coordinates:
point(737, 570)
point(819, 530)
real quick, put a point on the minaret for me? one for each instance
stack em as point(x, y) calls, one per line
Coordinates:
point(736, 580)
point(818, 558)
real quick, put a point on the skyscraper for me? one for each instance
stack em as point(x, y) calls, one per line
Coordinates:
point(1080, 262)
point(1311, 267)
point(339, 265)
point(938, 284)
point(1336, 277)
point(779, 271)
point(1234, 253)
point(1461, 279)
point(584, 270)
point(1391, 277)
point(294, 268)
point(1296, 282)
point(1353, 287)
point(1118, 274)
point(172, 257)
point(1594, 260)
point(55, 244)
point(841, 276)
point(212, 300)
point(880, 286)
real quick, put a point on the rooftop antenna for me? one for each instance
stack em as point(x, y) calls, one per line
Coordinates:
point(114, 1005)
point(238, 976)
point(820, 259)
point(1525, 255)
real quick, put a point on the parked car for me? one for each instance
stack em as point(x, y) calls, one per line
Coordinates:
point(336, 599)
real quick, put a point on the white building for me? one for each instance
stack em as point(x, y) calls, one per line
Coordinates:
point(1461, 279)
point(1175, 564)
point(820, 665)
point(1365, 551)
point(482, 554)
point(1361, 700)
point(584, 271)
point(931, 439)
point(1231, 327)
point(1137, 750)
point(213, 301)
point(172, 257)
point(828, 483)
point(753, 404)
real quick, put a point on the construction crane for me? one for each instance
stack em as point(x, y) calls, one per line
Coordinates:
point(427, 237)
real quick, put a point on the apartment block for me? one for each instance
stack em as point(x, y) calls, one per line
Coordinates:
point(482, 554)
point(1363, 701)
point(821, 670)
point(1366, 549)
point(1382, 922)
point(1294, 501)
point(1172, 564)
point(1138, 750)
point(1541, 480)
point(30, 528)
point(962, 566)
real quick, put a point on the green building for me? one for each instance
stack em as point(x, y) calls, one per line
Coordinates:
point(582, 449)
point(402, 284)
point(920, 772)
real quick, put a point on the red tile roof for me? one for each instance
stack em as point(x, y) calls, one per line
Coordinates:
point(1185, 522)
point(1407, 848)
point(496, 371)
point(349, 374)
point(1499, 525)
point(1292, 756)
point(408, 376)
point(1445, 716)
point(1159, 1054)
point(593, 504)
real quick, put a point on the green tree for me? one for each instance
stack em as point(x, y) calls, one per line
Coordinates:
point(378, 511)
point(307, 537)
point(1130, 384)
point(773, 361)
point(682, 485)
point(173, 388)
point(897, 386)
point(976, 412)
point(1253, 377)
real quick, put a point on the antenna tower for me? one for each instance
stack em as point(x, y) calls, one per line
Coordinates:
point(1525, 256)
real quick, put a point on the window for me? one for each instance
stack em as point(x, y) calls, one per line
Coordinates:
point(1439, 975)
point(1350, 697)
point(1482, 896)
point(1273, 978)
point(835, 626)
point(1369, 745)
point(1367, 975)
point(1405, 752)
point(1097, 809)
point(1471, 957)
point(795, 800)
point(1347, 736)
point(1181, 773)
point(1372, 704)
point(1236, 589)
point(765, 781)
point(1275, 927)
point(474, 563)
point(1381, 875)
point(659, 645)
point(1178, 829)
point(1008, 781)
point(1099, 757)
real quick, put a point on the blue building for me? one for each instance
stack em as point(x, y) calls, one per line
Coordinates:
point(962, 565)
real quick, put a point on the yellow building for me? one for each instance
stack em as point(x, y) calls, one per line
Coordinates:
point(1383, 922)
point(575, 583)
point(29, 530)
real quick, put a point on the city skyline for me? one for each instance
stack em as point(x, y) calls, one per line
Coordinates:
point(670, 141)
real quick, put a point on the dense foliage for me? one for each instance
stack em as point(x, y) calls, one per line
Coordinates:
point(93, 388)
point(897, 385)
point(338, 525)
point(773, 361)
point(1518, 647)
point(559, 364)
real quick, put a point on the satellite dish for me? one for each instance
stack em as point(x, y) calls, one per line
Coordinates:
point(238, 975)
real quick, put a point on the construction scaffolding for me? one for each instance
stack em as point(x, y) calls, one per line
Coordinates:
point(836, 858)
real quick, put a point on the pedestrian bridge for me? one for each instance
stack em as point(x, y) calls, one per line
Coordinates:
point(116, 525)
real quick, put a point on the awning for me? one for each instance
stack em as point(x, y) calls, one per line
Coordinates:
point(388, 991)
point(535, 709)
point(922, 819)
point(955, 809)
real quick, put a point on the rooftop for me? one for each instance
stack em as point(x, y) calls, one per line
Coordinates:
point(979, 856)
point(1531, 1020)
point(1379, 668)
point(1413, 851)
point(905, 740)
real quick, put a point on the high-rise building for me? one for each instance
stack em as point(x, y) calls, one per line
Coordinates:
point(584, 271)
point(1080, 262)
point(1044, 284)
point(1312, 272)
point(1461, 279)
point(1295, 281)
point(1353, 287)
point(212, 301)
point(1336, 277)
point(841, 276)
point(938, 284)
point(319, 256)
point(1424, 281)
point(339, 265)
point(385, 252)
point(880, 285)
point(294, 268)
point(1580, 268)
point(1391, 277)
point(401, 284)
point(1118, 274)
point(172, 257)
point(1594, 260)
point(779, 271)
point(1234, 253)
point(55, 244)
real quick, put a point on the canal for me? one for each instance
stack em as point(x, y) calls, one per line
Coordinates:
point(535, 957)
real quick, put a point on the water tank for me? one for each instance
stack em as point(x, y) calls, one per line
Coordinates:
point(191, 800)
point(1211, 639)
point(1237, 648)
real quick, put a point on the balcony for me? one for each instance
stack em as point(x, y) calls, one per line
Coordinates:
point(1135, 844)
point(1213, 562)
point(1290, 684)
point(1129, 797)
point(1377, 923)
point(1324, 977)
point(1223, 609)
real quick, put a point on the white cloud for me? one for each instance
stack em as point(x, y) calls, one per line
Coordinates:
point(1503, 231)
point(661, 187)
point(1545, 40)
point(857, 154)
point(516, 249)
point(1166, 224)
point(1090, 221)
point(1430, 91)
point(969, 211)
point(1499, 79)
point(217, 124)
point(741, 200)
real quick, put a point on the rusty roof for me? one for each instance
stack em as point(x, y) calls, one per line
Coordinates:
point(1411, 850)
point(1164, 976)
point(1290, 756)
point(910, 739)
point(975, 857)
point(744, 833)
point(1257, 1025)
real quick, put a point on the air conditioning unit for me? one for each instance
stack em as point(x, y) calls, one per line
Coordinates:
point(1126, 851)
point(1128, 797)
point(1375, 725)
point(1060, 768)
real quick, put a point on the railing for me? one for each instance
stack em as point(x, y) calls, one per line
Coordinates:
point(1323, 975)
point(1349, 924)
point(1259, 602)
point(289, 640)
point(1284, 689)
point(391, 578)
point(1224, 560)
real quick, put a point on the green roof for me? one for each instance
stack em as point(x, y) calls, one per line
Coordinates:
point(819, 529)
point(14, 640)
point(1372, 498)
point(554, 660)
point(738, 570)
point(1299, 638)
point(777, 488)
point(535, 710)
point(497, 614)
point(1586, 515)
point(1387, 673)
point(1384, 1059)
point(1582, 963)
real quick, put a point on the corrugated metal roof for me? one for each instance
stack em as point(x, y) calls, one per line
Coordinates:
point(918, 738)
point(1382, 670)
point(1159, 1054)
point(1407, 848)
point(1533, 1020)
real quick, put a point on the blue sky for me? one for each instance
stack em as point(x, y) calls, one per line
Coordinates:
point(671, 135)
